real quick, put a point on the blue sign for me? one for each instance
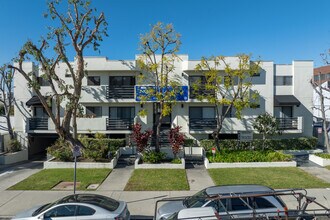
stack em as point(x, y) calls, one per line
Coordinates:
point(146, 93)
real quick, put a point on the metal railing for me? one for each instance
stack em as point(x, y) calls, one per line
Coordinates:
point(287, 123)
point(119, 124)
point(38, 123)
point(202, 123)
point(120, 92)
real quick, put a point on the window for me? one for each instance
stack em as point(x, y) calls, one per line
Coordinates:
point(262, 203)
point(122, 80)
point(40, 112)
point(94, 111)
point(93, 80)
point(201, 112)
point(84, 210)
point(283, 80)
point(239, 204)
point(231, 112)
point(42, 81)
point(122, 112)
point(61, 211)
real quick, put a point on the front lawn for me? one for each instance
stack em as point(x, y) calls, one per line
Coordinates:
point(278, 178)
point(158, 180)
point(48, 178)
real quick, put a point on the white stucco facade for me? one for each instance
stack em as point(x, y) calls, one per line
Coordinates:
point(96, 98)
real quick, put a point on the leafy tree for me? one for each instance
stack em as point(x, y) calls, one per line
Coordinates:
point(140, 138)
point(229, 89)
point(267, 125)
point(176, 139)
point(7, 100)
point(79, 29)
point(159, 48)
point(322, 92)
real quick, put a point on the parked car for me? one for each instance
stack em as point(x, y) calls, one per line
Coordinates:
point(244, 202)
point(204, 213)
point(79, 206)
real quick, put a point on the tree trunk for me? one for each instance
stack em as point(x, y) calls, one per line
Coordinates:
point(324, 123)
point(263, 141)
point(217, 131)
point(159, 124)
point(10, 128)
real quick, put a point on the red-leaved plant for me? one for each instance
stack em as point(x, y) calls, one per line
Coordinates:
point(140, 138)
point(176, 139)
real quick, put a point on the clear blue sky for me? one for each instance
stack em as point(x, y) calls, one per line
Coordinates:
point(278, 30)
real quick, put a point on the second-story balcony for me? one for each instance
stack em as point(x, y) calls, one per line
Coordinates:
point(202, 124)
point(38, 123)
point(194, 93)
point(119, 124)
point(120, 92)
point(288, 123)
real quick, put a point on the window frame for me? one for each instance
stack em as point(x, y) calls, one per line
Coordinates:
point(93, 82)
point(93, 112)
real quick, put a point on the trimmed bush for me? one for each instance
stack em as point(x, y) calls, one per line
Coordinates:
point(302, 143)
point(14, 145)
point(189, 142)
point(95, 149)
point(153, 157)
point(226, 156)
point(323, 155)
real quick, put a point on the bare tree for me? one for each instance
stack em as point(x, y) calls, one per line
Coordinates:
point(7, 98)
point(79, 29)
point(322, 92)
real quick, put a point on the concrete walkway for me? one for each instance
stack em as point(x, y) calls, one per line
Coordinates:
point(319, 172)
point(198, 177)
point(117, 179)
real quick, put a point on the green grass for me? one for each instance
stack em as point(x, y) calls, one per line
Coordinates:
point(278, 178)
point(157, 180)
point(48, 178)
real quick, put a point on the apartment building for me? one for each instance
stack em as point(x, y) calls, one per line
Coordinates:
point(111, 106)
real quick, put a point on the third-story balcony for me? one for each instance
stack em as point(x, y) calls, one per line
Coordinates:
point(119, 124)
point(120, 92)
point(38, 123)
point(200, 124)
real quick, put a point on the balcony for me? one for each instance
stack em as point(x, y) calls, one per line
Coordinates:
point(119, 124)
point(193, 94)
point(120, 92)
point(38, 123)
point(201, 124)
point(288, 123)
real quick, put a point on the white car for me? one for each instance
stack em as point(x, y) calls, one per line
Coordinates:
point(78, 206)
point(204, 213)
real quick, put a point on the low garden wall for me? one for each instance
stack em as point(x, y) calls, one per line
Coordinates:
point(209, 165)
point(159, 166)
point(319, 160)
point(50, 164)
point(10, 158)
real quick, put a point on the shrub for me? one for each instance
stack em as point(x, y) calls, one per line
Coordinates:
point(176, 161)
point(99, 135)
point(61, 150)
point(207, 144)
point(14, 145)
point(226, 156)
point(141, 139)
point(323, 155)
point(188, 142)
point(153, 157)
point(176, 139)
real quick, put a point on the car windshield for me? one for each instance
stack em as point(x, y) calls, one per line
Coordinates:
point(197, 200)
point(42, 208)
point(174, 216)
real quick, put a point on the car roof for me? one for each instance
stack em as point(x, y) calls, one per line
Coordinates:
point(196, 213)
point(85, 198)
point(236, 189)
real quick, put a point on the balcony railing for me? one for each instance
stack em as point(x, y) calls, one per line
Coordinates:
point(38, 123)
point(119, 124)
point(287, 123)
point(202, 123)
point(193, 93)
point(120, 92)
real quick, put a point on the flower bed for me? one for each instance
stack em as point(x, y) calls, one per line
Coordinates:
point(138, 165)
point(51, 164)
point(320, 159)
point(10, 158)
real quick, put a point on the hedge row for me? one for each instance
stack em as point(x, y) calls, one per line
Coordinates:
point(96, 149)
point(302, 143)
